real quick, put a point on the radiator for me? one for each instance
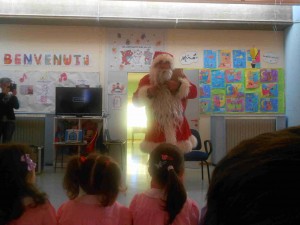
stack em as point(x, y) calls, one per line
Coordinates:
point(30, 130)
point(238, 129)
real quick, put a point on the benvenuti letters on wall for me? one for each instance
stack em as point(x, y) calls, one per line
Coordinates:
point(45, 59)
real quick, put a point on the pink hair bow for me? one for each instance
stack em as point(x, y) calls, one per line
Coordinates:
point(30, 164)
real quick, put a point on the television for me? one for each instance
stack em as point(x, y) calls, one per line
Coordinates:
point(78, 101)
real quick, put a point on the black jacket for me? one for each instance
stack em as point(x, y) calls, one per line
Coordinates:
point(7, 106)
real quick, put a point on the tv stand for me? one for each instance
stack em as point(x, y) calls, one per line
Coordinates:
point(88, 125)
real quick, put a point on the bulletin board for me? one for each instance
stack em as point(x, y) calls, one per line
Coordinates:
point(36, 89)
point(233, 82)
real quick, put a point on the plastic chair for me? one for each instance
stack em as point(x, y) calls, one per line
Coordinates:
point(198, 155)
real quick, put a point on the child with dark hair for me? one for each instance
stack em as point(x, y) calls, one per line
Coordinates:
point(92, 184)
point(166, 202)
point(20, 200)
point(257, 182)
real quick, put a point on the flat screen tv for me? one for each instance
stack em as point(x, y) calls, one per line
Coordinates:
point(78, 101)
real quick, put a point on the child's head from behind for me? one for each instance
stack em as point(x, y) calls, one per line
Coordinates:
point(166, 167)
point(17, 173)
point(258, 182)
point(16, 162)
point(96, 175)
point(164, 158)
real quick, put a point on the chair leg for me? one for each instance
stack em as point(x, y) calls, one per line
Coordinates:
point(132, 139)
point(208, 173)
point(202, 169)
point(121, 146)
point(62, 158)
point(55, 160)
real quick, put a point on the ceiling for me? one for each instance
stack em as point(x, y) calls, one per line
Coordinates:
point(150, 14)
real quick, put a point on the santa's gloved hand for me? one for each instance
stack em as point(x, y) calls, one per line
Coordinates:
point(173, 85)
point(152, 91)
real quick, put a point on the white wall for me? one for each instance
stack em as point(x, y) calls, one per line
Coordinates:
point(92, 40)
point(292, 49)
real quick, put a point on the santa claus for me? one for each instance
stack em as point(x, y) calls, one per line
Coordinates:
point(165, 92)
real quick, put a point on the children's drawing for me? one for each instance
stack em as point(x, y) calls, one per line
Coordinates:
point(210, 59)
point(252, 78)
point(251, 102)
point(268, 75)
point(205, 105)
point(148, 57)
point(269, 105)
point(137, 57)
point(218, 79)
point(218, 103)
point(26, 89)
point(126, 56)
point(116, 88)
point(235, 90)
point(189, 58)
point(270, 58)
point(117, 102)
point(224, 59)
point(239, 58)
point(269, 90)
point(233, 75)
point(204, 91)
point(235, 104)
point(253, 62)
point(204, 76)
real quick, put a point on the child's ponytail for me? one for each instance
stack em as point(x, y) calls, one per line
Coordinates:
point(175, 194)
point(71, 178)
point(165, 166)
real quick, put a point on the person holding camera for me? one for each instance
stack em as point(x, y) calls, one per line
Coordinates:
point(8, 102)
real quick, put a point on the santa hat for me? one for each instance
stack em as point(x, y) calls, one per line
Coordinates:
point(163, 56)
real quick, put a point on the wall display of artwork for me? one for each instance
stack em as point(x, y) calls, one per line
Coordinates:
point(242, 90)
point(36, 89)
point(236, 58)
point(133, 49)
point(232, 81)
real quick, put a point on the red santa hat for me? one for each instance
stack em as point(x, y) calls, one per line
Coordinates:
point(164, 57)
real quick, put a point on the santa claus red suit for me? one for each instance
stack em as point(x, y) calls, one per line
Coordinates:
point(165, 92)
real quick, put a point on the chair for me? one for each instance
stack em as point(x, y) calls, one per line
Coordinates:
point(198, 155)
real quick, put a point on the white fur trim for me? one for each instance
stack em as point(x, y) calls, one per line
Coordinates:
point(164, 58)
point(184, 88)
point(185, 146)
point(142, 96)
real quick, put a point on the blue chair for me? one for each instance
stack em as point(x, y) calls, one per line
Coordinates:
point(198, 155)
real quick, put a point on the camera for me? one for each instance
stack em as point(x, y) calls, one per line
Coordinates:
point(12, 87)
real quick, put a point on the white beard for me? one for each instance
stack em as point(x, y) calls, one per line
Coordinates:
point(159, 77)
point(166, 109)
point(167, 112)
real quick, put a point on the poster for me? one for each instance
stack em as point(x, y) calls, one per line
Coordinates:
point(242, 90)
point(36, 89)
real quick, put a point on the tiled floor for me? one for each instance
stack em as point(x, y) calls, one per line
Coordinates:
point(137, 179)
